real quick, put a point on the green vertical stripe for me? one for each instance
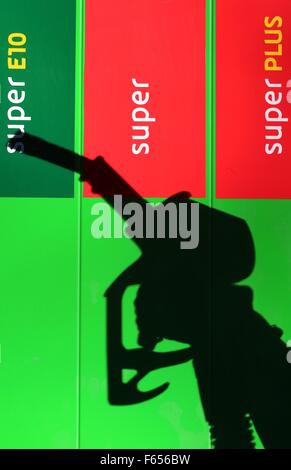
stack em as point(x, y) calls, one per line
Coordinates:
point(79, 148)
point(210, 99)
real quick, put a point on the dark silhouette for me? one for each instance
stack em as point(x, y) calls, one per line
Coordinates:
point(192, 296)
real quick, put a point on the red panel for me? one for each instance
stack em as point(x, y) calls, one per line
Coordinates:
point(246, 168)
point(160, 43)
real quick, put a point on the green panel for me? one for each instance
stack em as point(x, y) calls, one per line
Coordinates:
point(38, 323)
point(270, 225)
point(49, 87)
point(172, 420)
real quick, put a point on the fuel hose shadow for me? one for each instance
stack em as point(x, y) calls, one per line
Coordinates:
point(193, 296)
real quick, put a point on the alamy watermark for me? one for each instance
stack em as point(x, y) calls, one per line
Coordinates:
point(174, 220)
